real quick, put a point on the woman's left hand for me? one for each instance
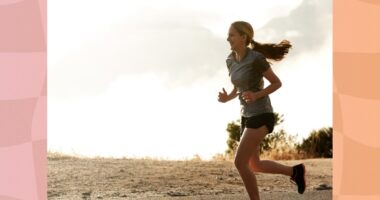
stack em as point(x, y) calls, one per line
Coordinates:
point(249, 96)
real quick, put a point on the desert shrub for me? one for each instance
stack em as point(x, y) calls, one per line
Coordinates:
point(220, 157)
point(318, 144)
point(54, 155)
point(233, 129)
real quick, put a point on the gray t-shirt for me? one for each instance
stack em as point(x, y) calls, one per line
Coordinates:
point(248, 75)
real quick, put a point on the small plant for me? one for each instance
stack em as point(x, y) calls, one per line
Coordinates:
point(233, 129)
point(318, 144)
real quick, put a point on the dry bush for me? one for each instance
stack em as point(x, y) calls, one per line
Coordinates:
point(319, 144)
point(285, 153)
point(54, 155)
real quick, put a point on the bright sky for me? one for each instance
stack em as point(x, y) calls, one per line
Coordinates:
point(141, 78)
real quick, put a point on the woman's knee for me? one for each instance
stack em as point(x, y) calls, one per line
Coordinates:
point(241, 163)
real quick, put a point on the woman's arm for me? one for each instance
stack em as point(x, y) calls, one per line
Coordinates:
point(275, 84)
point(224, 97)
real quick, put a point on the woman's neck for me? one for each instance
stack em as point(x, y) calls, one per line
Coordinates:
point(240, 53)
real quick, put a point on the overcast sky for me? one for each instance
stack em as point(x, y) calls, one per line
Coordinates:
point(141, 78)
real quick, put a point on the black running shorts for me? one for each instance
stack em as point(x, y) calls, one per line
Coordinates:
point(257, 121)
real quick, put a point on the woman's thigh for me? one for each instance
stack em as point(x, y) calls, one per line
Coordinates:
point(250, 143)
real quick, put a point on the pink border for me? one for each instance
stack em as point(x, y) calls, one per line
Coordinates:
point(23, 102)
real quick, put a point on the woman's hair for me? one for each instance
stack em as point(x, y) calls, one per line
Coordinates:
point(269, 50)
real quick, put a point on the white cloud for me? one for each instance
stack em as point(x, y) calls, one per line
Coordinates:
point(307, 27)
point(97, 41)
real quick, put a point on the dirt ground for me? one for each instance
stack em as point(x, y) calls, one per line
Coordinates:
point(107, 178)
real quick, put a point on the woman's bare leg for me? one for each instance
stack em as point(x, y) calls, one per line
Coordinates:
point(268, 166)
point(247, 149)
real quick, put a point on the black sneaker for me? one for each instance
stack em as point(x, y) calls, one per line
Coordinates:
point(299, 177)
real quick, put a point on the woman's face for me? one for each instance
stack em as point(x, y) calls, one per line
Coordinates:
point(236, 40)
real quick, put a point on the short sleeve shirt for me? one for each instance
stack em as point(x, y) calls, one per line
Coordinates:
point(247, 75)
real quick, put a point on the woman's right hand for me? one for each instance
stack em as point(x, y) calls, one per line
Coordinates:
point(223, 96)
